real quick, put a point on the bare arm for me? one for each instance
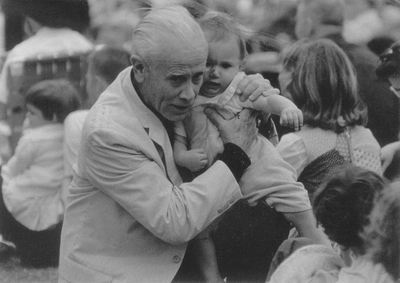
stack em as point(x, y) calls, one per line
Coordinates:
point(290, 115)
point(194, 159)
point(306, 226)
point(274, 104)
point(387, 153)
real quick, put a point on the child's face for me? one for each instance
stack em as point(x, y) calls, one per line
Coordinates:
point(223, 63)
point(35, 117)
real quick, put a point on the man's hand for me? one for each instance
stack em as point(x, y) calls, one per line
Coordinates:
point(240, 130)
point(252, 86)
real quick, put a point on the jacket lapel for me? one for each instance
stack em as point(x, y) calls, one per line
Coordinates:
point(156, 131)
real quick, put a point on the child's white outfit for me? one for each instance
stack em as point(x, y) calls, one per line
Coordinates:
point(269, 177)
point(32, 178)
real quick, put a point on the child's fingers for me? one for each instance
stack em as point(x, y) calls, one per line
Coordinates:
point(204, 157)
point(290, 119)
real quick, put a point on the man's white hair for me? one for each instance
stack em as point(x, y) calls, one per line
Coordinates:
point(166, 26)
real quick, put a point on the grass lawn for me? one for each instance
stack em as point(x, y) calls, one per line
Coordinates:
point(12, 272)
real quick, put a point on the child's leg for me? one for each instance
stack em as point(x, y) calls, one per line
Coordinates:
point(206, 259)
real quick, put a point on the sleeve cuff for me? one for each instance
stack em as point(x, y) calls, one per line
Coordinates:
point(236, 159)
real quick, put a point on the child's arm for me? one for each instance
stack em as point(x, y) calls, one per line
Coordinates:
point(387, 154)
point(291, 116)
point(21, 159)
point(194, 159)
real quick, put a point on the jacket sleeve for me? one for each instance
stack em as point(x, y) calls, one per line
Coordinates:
point(173, 212)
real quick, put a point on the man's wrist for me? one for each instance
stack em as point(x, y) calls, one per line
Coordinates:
point(236, 159)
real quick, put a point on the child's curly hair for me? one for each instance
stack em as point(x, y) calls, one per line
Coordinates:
point(343, 202)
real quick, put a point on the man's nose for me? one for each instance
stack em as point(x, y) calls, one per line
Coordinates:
point(189, 92)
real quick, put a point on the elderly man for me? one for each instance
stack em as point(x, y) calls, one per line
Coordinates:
point(129, 216)
point(324, 19)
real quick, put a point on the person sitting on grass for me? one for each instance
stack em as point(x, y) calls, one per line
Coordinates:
point(31, 209)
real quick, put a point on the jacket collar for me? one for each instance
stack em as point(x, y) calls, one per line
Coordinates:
point(152, 125)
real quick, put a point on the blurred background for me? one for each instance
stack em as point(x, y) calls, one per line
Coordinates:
point(271, 22)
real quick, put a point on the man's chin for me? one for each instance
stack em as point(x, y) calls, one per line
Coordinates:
point(177, 117)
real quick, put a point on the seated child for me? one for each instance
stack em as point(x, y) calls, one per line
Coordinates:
point(198, 143)
point(30, 203)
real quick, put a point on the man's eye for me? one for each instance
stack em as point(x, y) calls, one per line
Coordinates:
point(197, 78)
point(177, 79)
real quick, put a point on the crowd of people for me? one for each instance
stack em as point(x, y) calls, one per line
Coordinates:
point(180, 163)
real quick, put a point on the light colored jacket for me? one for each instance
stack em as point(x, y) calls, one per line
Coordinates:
point(129, 217)
point(32, 178)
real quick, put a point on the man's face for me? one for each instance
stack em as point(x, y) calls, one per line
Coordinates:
point(171, 85)
point(223, 64)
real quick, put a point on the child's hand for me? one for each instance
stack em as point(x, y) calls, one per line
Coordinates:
point(196, 159)
point(292, 117)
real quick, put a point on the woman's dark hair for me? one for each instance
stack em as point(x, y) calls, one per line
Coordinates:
point(54, 98)
point(389, 65)
point(343, 202)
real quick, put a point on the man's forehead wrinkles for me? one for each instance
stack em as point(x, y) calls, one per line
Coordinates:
point(179, 69)
point(182, 69)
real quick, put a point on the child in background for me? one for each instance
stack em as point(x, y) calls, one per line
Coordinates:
point(382, 236)
point(197, 141)
point(31, 207)
point(320, 79)
point(342, 205)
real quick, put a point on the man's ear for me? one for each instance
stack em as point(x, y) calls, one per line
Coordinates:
point(139, 68)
